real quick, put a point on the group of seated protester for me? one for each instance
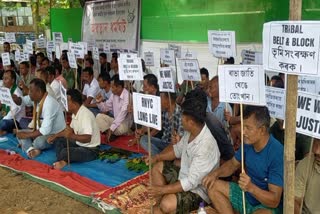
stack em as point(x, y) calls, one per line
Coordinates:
point(195, 156)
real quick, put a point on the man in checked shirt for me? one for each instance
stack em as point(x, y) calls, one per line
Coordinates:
point(178, 189)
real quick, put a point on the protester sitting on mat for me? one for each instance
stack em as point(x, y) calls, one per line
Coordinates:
point(204, 83)
point(104, 81)
point(179, 189)
point(151, 87)
point(114, 65)
point(171, 124)
point(14, 112)
point(45, 63)
point(83, 134)
point(47, 116)
point(307, 182)
point(262, 181)
point(67, 72)
point(90, 90)
point(104, 65)
point(25, 77)
point(214, 105)
point(118, 104)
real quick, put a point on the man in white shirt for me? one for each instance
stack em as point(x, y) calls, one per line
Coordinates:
point(54, 83)
point(7, 123)
point(90, 90)
point(83, 134)
point(178, 189)
point(48, 117)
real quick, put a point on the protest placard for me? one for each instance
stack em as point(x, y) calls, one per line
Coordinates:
point(51, 46)
point(222, 44)
point(308, 114)
point(149, 58)
point(130, 67)
point(85, 47)
point(96, 53)
point(10, 37)
point(309, 84)
point(187, 54)
point(176, 49)
point(64, 46)
point(24, 57)
point(242, 84)
point(2, 40)
point(72, 60)
point(147, 110)
point(166, 81)
point(91, 44)
point(189, 69)
point(5, 59)
point(77, 49)
point(276, 102)
point(57, 37)
point(58, 51)
point(292, 47)
point(17, 55)
point(29, 46)
point(5, 96)
point(63, 94)
point(106, 47)
point(167, 57)
point(41, 43)
point(251, 57)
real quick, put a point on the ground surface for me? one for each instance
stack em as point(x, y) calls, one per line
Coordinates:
point(19, 195)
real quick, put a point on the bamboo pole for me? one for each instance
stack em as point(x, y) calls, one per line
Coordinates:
point(290, 124)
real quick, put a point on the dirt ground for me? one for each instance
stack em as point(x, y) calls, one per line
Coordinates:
point(19, 195)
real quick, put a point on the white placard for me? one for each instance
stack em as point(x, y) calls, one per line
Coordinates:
point(5, 96)
point(251, 57)
point(57, 37)
point(147, 110)
point(187, 54)
point(276, 102)
point(308, 114)
point(17, 55)
point(242, 84)
point(72, 60)
point(24, 57)
point(10, 37)
point(64, 46)
point(309, 84)
point(106, 47)
point(166, 82)
point(96, 53)
point(41, 43)
point(51, 46)
point(292, 47)
point(58, 51)
point(222, 44)
point(149, 58)
point(167, 57)
point(64, 98)
point(78, 51)
point(91, 45)
point(176, 49)
point(85, 47)
point(2, 40)
point(130, 67)
point(190, 69)
point(29, 46)
point(49, 55)
point(5, 59)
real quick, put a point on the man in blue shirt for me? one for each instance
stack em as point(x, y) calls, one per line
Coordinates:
point(262, 180)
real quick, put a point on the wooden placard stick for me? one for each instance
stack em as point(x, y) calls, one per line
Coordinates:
point(242, 158)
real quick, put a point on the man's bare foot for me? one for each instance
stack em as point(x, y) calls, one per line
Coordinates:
point(133, 142)
point(59, 164)
point(34, 153)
